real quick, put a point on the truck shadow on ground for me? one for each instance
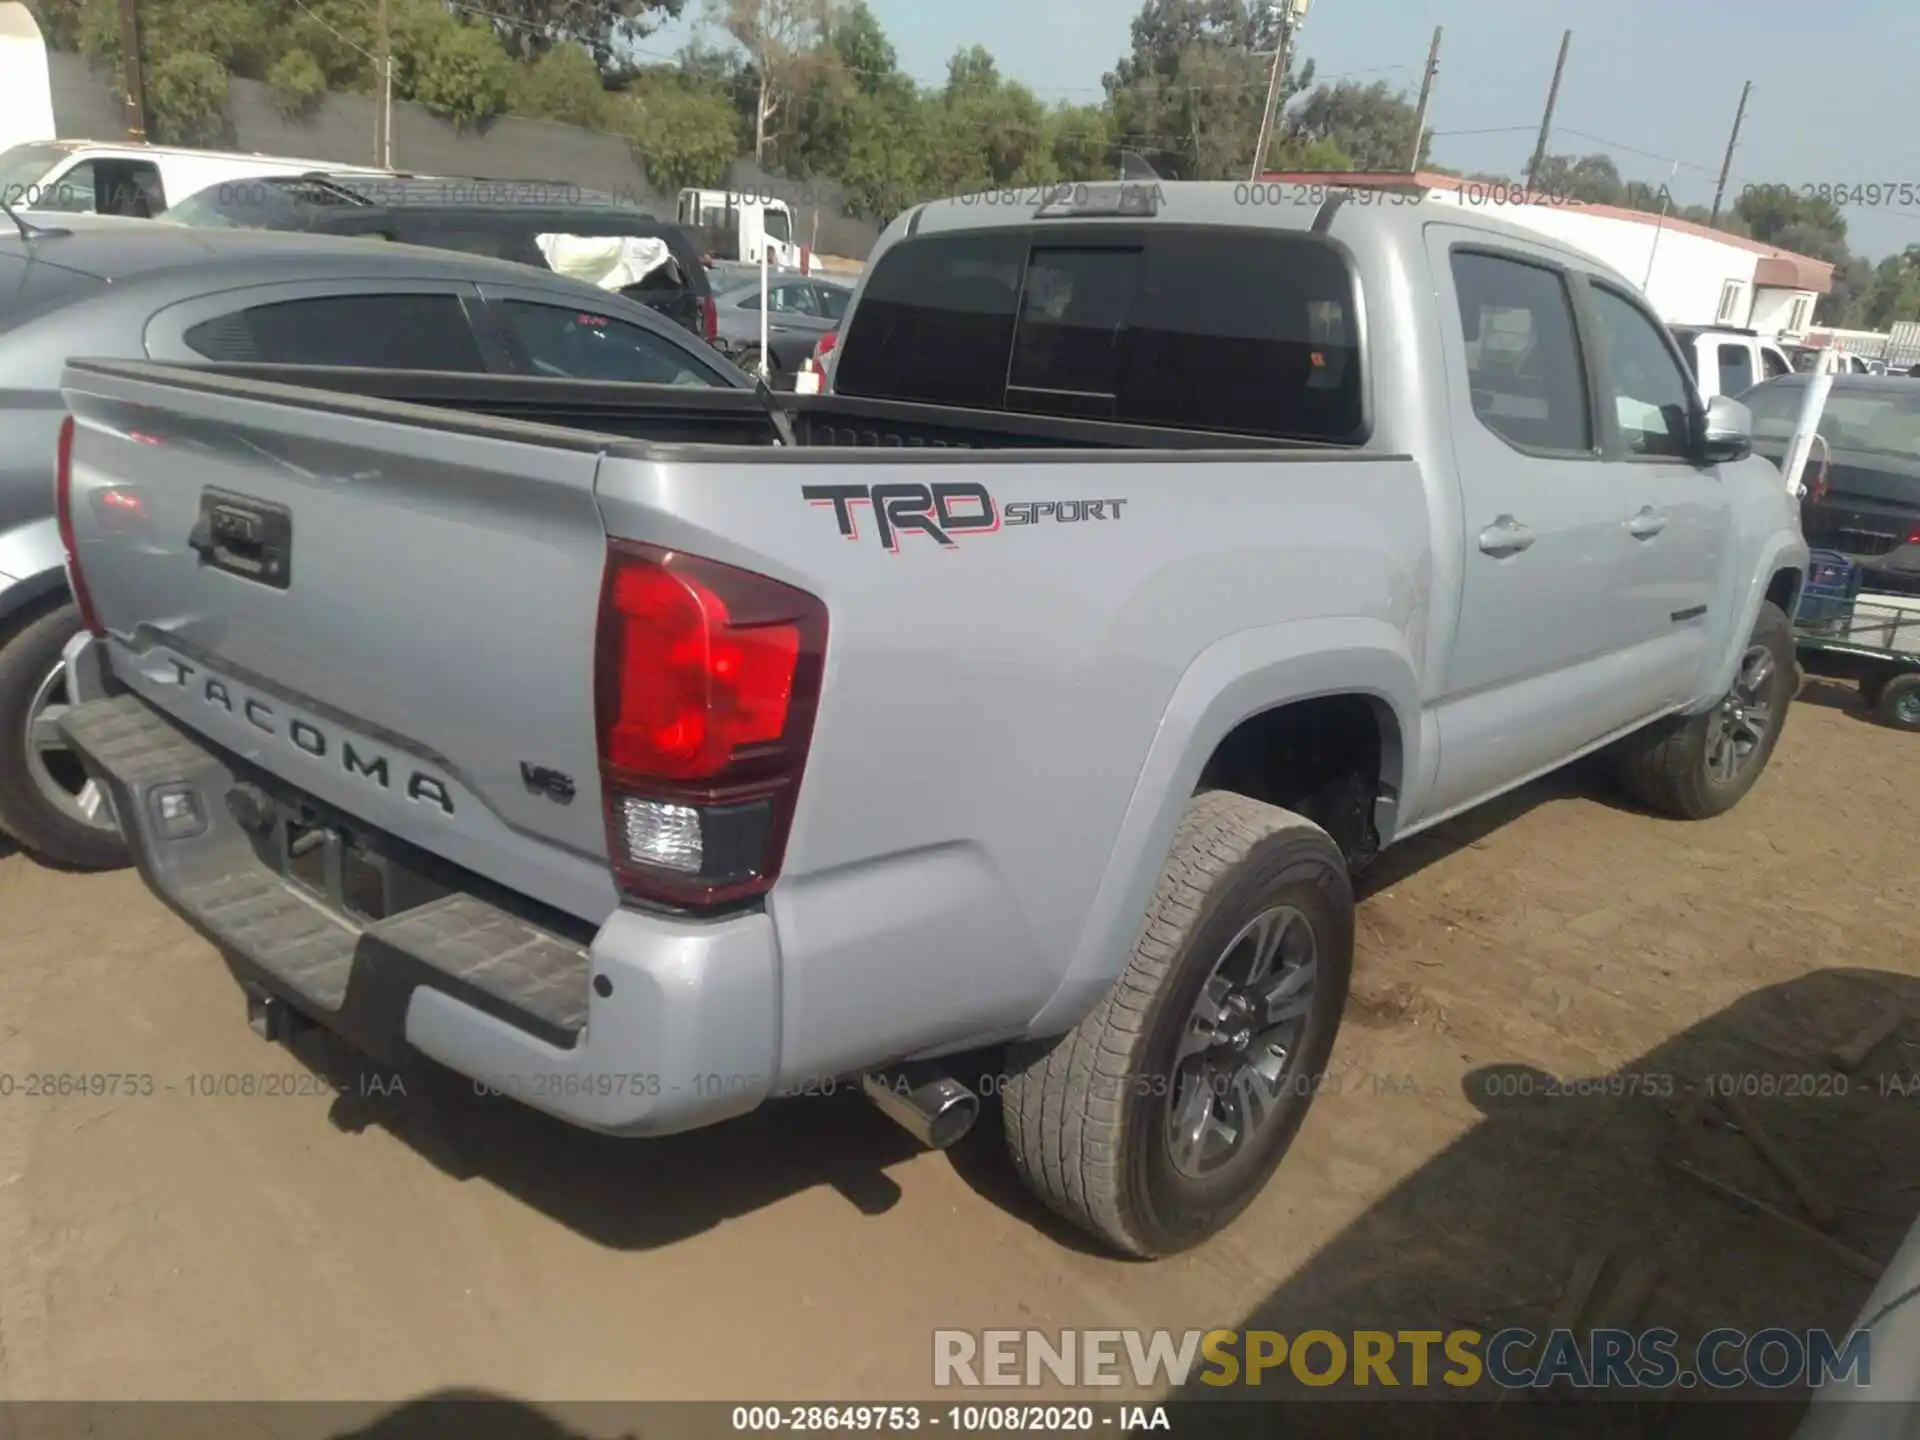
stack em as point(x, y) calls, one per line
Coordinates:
point(458, 1414)
point(1836, 695)
point(1487, 1234)
point(640, 1194)
point(621, 1193)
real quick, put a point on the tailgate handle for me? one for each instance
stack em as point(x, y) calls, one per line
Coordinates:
point(252, 539)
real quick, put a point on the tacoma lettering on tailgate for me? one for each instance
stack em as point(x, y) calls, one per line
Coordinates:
point(363, 761)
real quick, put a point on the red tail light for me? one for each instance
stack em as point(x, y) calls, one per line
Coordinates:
point(1913, 536)
point(63, 508)
point(706, 682)
point(709, 319)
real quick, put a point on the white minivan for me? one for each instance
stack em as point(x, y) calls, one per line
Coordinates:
point(87, 177)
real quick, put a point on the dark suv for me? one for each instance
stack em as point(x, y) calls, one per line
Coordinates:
point(502, 219)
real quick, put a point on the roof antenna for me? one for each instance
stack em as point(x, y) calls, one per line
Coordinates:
point(28, 231)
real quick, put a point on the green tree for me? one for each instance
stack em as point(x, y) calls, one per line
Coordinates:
point(462, 75)
point(564, 85)
point(1188, 94)
point(1772, 211)
point(1588, 179)
point(1081, 138)
point(685, 134)
point(1371, 125)
point(785, 42)
point(299, 84)
point(530, 28)
point(1894, 294)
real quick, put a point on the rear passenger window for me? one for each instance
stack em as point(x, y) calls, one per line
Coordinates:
point(1736, 370)
point(1249, 332)
point(1527, 380)
point(382, 332)
point(576, 345)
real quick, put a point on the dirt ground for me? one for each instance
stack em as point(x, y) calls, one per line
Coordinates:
point(303, 1245)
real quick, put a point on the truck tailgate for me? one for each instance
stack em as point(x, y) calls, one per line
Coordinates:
point(388, 608)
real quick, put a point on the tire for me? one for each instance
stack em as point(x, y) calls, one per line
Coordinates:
point(28, 658)
point(1089, 1116)
point(1899, 703)
point(1671, 767)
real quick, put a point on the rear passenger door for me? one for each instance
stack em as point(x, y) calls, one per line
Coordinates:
point(1533, 674)
point(412, 325)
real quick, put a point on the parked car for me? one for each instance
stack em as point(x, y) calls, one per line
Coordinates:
point(800, 310)
point(1015, 723)
point(1863, 488)
point(1729, 362)
point(79, 177)
point(131, 288)
point(544, 224)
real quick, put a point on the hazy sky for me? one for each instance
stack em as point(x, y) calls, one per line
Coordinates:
point(1832, 84)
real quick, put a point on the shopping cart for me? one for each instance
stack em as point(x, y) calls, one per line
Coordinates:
point(1871, 639)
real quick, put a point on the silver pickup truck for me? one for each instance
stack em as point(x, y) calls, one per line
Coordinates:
point(1009, 719)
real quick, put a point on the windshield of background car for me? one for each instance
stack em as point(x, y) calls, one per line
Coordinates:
point(1875, 424)
point(257, 204)
point(23, 167)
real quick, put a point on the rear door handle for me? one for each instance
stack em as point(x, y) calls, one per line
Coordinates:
point(1647, 524)
point(1506, 536)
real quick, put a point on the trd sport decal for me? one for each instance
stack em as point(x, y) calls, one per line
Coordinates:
point(944, 511)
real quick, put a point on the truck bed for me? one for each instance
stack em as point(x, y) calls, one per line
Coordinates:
point(669, 414)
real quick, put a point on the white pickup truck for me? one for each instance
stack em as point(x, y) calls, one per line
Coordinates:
point(1729, 362)
point(1010, 719)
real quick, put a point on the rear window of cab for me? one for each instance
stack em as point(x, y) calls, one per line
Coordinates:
point(1243, 331)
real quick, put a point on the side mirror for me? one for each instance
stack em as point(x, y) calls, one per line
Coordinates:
point(1723, 433)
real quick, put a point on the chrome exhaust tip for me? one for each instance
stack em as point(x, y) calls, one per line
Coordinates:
point(935, 1109)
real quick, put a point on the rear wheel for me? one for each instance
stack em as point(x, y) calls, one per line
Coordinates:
point(47, 802)
point(1899, 703)
point(1703, 765)
point(1160, 1118)
point(749, 361)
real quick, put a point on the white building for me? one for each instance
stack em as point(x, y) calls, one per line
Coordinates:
point(1691, 274)
point(26, 89)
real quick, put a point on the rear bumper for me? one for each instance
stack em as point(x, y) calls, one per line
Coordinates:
point(648, 1027)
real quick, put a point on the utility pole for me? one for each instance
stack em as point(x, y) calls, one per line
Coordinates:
point(1720, 190)
point(1546, 121)
point(383, 104)
point(134, 93)
point(1292, 13)
point(1426, 94)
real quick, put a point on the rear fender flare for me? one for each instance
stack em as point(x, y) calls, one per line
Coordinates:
point(1234, 679)
point(1783, 552)
point(33, 565)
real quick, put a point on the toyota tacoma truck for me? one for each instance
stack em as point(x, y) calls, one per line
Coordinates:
point(649, 754)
